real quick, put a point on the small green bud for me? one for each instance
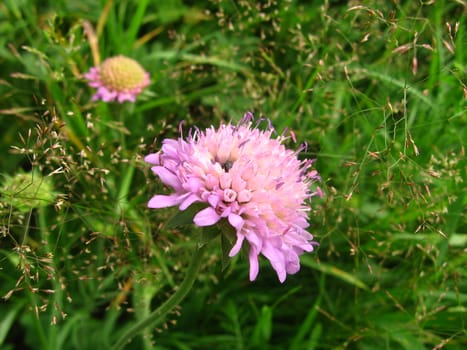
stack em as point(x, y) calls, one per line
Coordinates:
point(26, 191)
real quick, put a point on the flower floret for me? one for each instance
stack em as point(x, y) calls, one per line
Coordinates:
point(250, 179)
point(117, 78)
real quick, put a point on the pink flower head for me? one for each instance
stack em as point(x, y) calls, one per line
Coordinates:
point(118, 78)
point(248, 178)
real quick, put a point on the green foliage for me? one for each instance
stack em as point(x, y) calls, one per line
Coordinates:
point(377, 91)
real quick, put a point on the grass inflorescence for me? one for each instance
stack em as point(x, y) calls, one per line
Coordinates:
point(375, 89)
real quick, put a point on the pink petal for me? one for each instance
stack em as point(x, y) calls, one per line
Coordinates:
point(122, 97)
point(153, 158)
point(206, 217)
point(193, 184)
point(236, 248)
point(254, 240)
point(214, 199)
point(161, 201)
point(301, 241)
point(211, 181)
point(167, 177)
point(95, 84)
point(244, 196)
point(170, 148)
point(277, 259)
point(236, 221)
point(93, 74)
point(105, 94)
point(254, 265)
point(189, 201)
point(293, 263)
point(225, 181)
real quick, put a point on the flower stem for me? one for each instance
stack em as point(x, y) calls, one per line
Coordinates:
point(161, 312)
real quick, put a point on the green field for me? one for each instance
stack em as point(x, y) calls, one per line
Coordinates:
point(377, 91)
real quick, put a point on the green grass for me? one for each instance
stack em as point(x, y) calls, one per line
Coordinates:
point(378, 93)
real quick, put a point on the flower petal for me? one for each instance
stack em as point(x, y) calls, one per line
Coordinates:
point(236, 221)
point(193, 184)
point(206, 217)
point(236, 248)
point(188, 201)
point(277, 260)
point(122, 97)
point(161, 201)
point(293, 262)
point(254, 265)
point(153, 158)
point(167, 177)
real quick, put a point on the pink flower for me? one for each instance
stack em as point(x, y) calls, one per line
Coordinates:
point(248, 178)
point(118, 78)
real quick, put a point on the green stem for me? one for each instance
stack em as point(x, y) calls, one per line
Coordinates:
point(161, 312)
point(57, 295)
point(31, 293)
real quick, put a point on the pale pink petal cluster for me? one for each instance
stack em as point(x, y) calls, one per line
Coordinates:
point(118, 78)
point(250, 179)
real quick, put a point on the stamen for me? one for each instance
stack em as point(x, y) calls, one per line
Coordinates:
point(227, 165)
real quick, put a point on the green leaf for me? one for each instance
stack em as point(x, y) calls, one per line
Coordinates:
point(185, 217)
point(228, 239)
point(226, 247)
point(313, 341)
point(8, 319)
point(263, 328)
point(307, 326)
point(208, 233)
